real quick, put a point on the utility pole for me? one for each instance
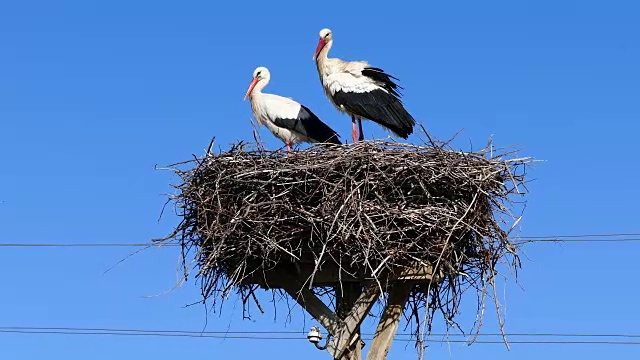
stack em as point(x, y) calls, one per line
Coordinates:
point(346, 297)
point(389, 321)
point(354, 301)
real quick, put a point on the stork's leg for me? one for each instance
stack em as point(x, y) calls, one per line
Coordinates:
point(361, 132)
point(354, 132)
point(288, 146)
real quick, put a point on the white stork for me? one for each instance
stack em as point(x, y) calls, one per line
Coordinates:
point(287, 119)
point(362, 91)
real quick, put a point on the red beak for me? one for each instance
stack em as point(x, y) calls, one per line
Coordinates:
point(251, 86)
point(321, 44)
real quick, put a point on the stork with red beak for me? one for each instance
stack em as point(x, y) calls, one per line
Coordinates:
point(287, 119)
point(362, 91)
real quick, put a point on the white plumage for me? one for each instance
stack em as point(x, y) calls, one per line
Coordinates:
point(287, 119)
point(362, 91)
point(340, 75)
point(268, 107)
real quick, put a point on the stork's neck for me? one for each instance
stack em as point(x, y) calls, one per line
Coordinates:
point(257, 90)
point(323, 56)
point(256, 100)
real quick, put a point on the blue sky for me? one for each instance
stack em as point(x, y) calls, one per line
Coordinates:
point(94, 94)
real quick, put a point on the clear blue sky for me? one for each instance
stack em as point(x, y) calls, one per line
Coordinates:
point(94, 94)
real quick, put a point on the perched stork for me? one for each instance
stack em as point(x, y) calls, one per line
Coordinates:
point(288, 120)
point(362, 91)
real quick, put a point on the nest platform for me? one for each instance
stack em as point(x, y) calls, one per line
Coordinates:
point(373, 211)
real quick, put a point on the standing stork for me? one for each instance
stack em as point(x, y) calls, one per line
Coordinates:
point(362, 91)
point(287, 119)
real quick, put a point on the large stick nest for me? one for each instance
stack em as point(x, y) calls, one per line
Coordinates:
point(372, 209)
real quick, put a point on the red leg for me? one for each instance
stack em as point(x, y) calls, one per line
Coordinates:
point(288, 146)
point(354, 132)
point(361, 132)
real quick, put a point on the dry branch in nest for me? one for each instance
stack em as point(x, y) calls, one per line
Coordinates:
point(369, 210)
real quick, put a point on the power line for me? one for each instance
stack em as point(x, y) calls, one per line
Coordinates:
point(575, 240)
point(579, 235)
point(61, 332)
point(606, 237)
point(298, 338)
point(101, 330)
point(85, 245)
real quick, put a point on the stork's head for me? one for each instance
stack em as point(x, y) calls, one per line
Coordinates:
point(260, 75)
point(326, 36)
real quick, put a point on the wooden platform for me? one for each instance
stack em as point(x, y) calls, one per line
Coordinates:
point(355, 297)
point(329, 275)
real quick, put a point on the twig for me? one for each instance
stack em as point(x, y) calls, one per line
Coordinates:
point(371, 210)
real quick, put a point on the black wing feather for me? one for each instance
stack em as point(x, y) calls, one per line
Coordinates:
point(382, 107)
point(385, 80)
point(309, 125)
